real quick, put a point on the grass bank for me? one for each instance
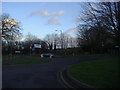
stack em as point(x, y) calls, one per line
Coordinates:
point(100, 73)
point(87, 55)
point(30, 60)
point(10, 57)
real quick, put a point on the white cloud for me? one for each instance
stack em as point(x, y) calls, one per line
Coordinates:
point(53, 21)
point(53, 17)
point(77, 20)
point(60, 13)
point(72, 30)
point(46, 13)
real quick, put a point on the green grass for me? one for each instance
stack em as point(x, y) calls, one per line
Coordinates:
point(5, 58)
point(86, 55)
point(31, 60)
point(100, 74)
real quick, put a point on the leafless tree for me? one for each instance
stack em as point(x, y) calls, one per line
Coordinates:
point(100, 22)
point(9, 27)
point(61, 42)
point(30, 37)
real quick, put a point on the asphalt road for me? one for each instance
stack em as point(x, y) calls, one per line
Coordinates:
point(43, 75)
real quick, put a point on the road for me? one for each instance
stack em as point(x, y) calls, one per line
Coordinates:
point(42, 75)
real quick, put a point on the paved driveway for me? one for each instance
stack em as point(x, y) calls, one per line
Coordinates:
point(43, 75)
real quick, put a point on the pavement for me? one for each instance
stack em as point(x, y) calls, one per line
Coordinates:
point(42, 75)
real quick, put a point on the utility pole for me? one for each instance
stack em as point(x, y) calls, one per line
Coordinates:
point(55, 42)
point(30, 47)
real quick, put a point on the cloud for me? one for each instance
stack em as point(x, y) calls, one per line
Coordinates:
point(53, 17)
point(77, 20)
point(60, 13)
point(72, 30)
point(46, 13)
point(53, 21)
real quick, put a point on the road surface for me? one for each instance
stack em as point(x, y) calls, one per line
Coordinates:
point(42, 75)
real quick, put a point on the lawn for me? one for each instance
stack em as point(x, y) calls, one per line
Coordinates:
point(8, 57)
point(30, 60)
point(5, 58)
point(100, 73)
point(87, 55)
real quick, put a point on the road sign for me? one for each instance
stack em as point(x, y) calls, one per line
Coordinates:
point(37, 46)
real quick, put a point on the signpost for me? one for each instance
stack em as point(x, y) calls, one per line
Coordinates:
point(37, 46)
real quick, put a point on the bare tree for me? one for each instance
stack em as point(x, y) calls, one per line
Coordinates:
point(49, 40)
point(100, 23)
point(66, 41)
point(30, 40)
point(30, 37)
point(30, 43)
point(9, 27)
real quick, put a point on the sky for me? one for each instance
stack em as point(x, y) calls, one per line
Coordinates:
point(42, 18)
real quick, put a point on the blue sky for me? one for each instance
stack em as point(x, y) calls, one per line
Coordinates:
point(41, 18)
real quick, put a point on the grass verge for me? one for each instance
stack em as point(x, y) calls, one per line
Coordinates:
point(87, 55)
point(30, 60)
point(100, 73)
point(8, 57)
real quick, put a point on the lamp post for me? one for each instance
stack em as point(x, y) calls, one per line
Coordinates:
point(30, 47)
point(55, 42)
point(61, 38)
point(30, 50)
